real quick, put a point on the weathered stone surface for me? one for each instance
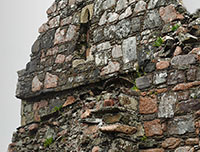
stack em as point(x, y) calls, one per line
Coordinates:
point(103, 46)
point(33, 127)
point(109, 119)
point(167, 105)
point(191, 74)
point(128, 102)
point(185, 149)
point(96, 149)
point(112, 17)
point(181, 125)
point(47, 39)
point(153, 150)
point(129, 49)
point(153, 128)
point(36, 84)
point(50, 80)
point(117, 51)
point(176, 77)
point(70, 100)
point(169, 13)
point(126, 14)
point(148, 105)
point(177, 51)
point(183, 60)
point(188, 106)
point(185, 86)
point(171, 143)
point(192, 141)
point(152, 19)
point(110, 68)
point(186, 38)
point(140, 6)
point(108, 3)
point(77, 62)
point(142, 82)
point(119, 128)
point(121, 4)
point(60, 58)
point(36, 47)
point(71, 33)
point(160, 78)
point(86, 13)
point(162, 65)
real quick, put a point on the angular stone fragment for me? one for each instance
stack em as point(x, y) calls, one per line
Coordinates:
point(188, 106)
point(153, 150)
point(86, 13)
point(152, 4)
point(127, 13)
point(140, 6)
point(77, 62)
point(160, 78)
point(117, 51)
point(36, 84)
point(103, 19)
point(128, 102)
point(169, 14)
point(152, 20)
point(52, 9)
point(171, 143)
point(54, 22)
point(96, 149)
point(119, 128)
point(181, 125)
point(142, 82)
point(71, 33)
point(185, 149)
point(162, 65)
point(60, 58)
point(192, 141)
point(129, 49)
point(112, 17)
point(103, 46)
point(153, 128)
point(176, 77)
point(187, 38)
point(148, 105)
point(185, 86)
point(167, 105)
point(50, 80)
point(108, 4)
point(109, 119)
point(121, 4)
point(110, 68)
point(70, 100)
point(177, 51)
point(33, 127)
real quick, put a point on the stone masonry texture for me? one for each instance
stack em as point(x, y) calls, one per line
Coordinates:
point(112, 76)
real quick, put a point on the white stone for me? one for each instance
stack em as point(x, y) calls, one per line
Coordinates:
point(108, 4)
point(121, 4)
point(103, 46)
point(127, 13)
point(103, 19)
point(112, 17)
point(116, 51)
point(129, 49)
point(140, 6)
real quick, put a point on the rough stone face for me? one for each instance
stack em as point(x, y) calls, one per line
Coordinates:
point(110, 68)
point(121, 4)
point(181, 125)
point(119, 128)
point(148, 105)
point(140, 6)
point(36, 84)
point(171, 143)
point(142, 82)
point(152, 19)
point(183, 60)
point(185, 86)
point(129, 49)
point(167, 106)
point(108, 3)
point(192, 141)
point(50, 80)
point(176, 77)
point(70, 100)
point(128, 102)
point(60, 58)
point(188, 106)
point(162, 65)
point(153, 150)
point(117, 51)
point(160, 78)
point(169, 14)
point(153, 128)
point(185, 149)
point(126, 14)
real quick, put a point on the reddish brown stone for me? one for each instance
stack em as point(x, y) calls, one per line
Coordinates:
point(36, 84)
point(169, 14)
point(153, 150)
point(162, 65)
point(10, 147)
point(39, 105)
point(177, 51)
point(86, 114)
point(60, 58)
point(36, 116)
point(33, 127)
point(119, 128)
point(183, 95)
point(148, 105)
point(153, 128)
point(91, 130)
point(185, 86)
point(197, 113)
point(161, 90)
point(21, 130)
point(192, 141)
point(62, 133)
point(181, 29)
point(50, 80)
point(70, 100)
point(171, 143)
point(43, 28)
point(108, 102)
point(95, 149)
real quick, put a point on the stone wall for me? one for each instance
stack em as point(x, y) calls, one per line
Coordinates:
point(114, 76)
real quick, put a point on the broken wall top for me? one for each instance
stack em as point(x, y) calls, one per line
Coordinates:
point(84, 42)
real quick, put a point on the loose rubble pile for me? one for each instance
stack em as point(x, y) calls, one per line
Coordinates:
point(112, 76)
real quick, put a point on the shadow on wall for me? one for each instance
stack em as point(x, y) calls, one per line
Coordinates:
point(191, 5)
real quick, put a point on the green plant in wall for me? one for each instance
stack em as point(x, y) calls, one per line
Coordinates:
point(56, 108)
point(159, 41)
point(175, 27)
point(144, 138)
point(48, 142)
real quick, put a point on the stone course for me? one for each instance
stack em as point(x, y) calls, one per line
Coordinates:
point(112, 76)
